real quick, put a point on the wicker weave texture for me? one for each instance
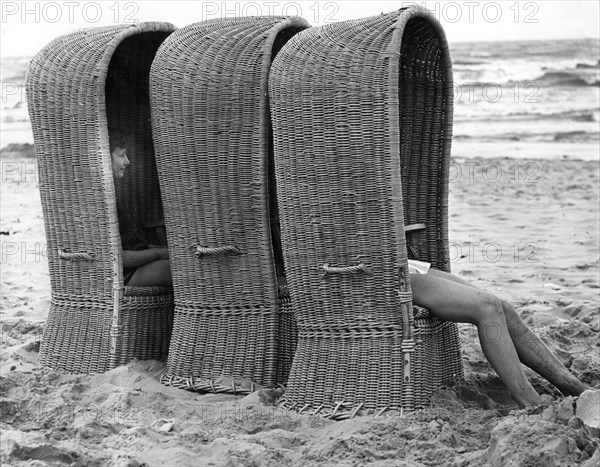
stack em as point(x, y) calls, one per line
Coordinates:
point(362, 115)
point(78, 86)
point(213, 141)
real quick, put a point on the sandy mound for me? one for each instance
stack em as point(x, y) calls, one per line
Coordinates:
point(108, 419)
point(48, 418)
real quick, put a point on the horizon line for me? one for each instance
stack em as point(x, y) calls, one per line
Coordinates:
point(449, 43)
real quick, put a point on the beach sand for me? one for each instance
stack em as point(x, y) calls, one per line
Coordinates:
point(529, 235)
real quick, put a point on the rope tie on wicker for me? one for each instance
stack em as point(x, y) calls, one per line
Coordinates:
point(200, 251)
point(81, 256)
point(405, 297)
point(407, 345)
point(345, 269)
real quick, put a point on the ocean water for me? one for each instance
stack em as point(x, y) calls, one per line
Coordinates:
point(506, 94)
point(534, 91)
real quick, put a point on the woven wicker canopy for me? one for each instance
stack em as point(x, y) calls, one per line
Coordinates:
point(362, 119)
point(233, 325)
point(78, 86)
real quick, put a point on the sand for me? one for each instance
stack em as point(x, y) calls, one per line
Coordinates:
point(530, 236)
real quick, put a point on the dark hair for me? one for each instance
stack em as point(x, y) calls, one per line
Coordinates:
point(117, 139)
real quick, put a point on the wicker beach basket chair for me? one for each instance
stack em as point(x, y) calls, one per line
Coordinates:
point(233, 326)
point(362, 116)
point(78, 87)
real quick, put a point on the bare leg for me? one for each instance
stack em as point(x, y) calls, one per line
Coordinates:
point(530, 348)
point(154, 273)
point(537, 356)
point(452, 301)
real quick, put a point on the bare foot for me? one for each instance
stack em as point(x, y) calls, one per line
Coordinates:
point(569, 385)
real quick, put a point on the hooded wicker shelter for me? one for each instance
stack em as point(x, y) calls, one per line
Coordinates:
point(233, 326)
point(362, 118)
point(78, 87)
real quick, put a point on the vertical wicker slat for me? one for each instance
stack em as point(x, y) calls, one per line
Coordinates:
point(78, 86)
point(233, 325)
point(362, 116)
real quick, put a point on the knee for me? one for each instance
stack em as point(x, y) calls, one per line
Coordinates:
point(509, 310)
point(513, 320)
point(491, 306)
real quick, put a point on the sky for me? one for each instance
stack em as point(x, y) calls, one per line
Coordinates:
point(26, 27)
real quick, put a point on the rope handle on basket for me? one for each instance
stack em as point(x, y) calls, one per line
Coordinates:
point(64, 254)
point(345, 269)
point(205, 250)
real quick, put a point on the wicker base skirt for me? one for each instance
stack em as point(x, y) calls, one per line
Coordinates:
point(77, 335)
point(355, 361)
point(198, 362)
point(438, 358)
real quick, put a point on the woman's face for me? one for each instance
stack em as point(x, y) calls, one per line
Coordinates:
point(119, 162)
